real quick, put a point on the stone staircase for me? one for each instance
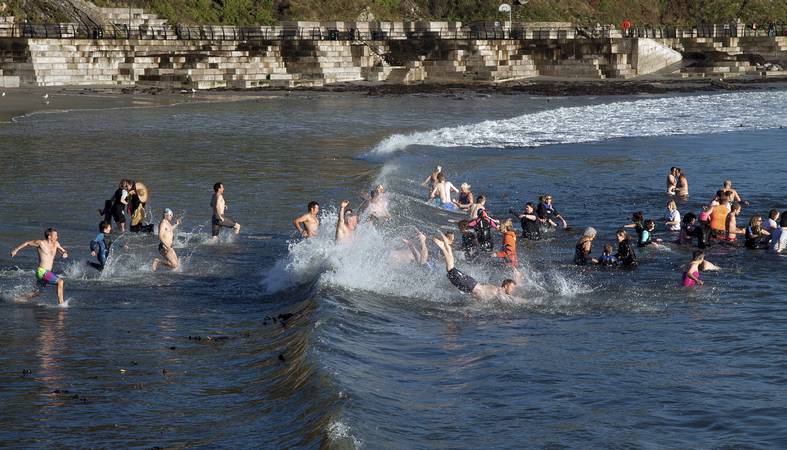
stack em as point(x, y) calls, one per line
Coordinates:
point(585, 67)
point(321, 62)
point(722, 58)
point(498, 60)
point(16, 66)
point(6, 26)
point(149, 26)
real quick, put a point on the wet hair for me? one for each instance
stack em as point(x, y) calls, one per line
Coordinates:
point(672, 204)
point(672, 169)
point(727, 184)
point(103, 225)
point(783, 220)
point(217, 186)
point(312, 205)
point(462, 224)
point(506, 225)
point(49, 231)
point(773, 214)
point(530, 204)
point(608, 248)
point(348, 212)
point(622, 232)
point(507, 282)
point(373, 194)
point(440, 176)
point(735, 207)
point(689, 218)
point(638, 216)
point(697, 255)
point(450, 234)
point(480, 198)
point(649, 223)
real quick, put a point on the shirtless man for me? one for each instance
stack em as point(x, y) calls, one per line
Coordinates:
point(47, 250)
point(219, 206)
point(682, 186)
point(307, 224)
point(443, 189)
point(466, 283)
point(346, 223)
point(165, 235)
point(732, 194)
point(378, 205)
point(432, 178)
point(672, 181)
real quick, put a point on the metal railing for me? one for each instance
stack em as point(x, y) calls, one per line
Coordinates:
point(472, 31)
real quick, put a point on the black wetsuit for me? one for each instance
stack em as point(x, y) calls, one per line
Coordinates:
point(626, 256)
point(484, 231)
point(465, 283)
point(752, 240)
point(118, 207)
point(531, 229)
point(580, 256)
point(547, 212)
point(470, 245)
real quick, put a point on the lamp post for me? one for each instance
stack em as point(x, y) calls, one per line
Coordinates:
point(505, 8)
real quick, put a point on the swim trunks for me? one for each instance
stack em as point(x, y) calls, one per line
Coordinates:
point(448, 206)
point(216, 224)
point(45, 277)
point(465, 283)
point(163, 249)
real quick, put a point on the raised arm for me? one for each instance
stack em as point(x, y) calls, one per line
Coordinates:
point(23, 245)
point(340, 220)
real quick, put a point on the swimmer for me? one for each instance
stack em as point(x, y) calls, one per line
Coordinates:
point(638, 223)
point(378, 205)
point(166, 232)
point(731, 227)
point(100, 245)
point(756, 236)
point(509, 244)
point(691, 277)
point(308, 224)
point(421, 254)
point(672, 216)
point(466, 283)
point(443, 189)
point(219, 207)
point(731, 193)
point(346, 222)
point(465, 200)
point(682, 185)
point(431, 180)
point(584, 247)
point(646, 238)
point(672, 181)
point(545, 210)
point(607, 258)
point(119, 203)
point(47, 250)
point(625, 255)
point(779, 236)
point(530, 222)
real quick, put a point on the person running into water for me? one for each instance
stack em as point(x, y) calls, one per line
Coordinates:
point(530, 222)
point(166, 234)
point(308, 223)
point(100, 245)
point(378, 206)
point(546, 211)
point(672, 216)
point(672, 181)
point(420, 254)
point(443, 189)
point(219, 220)
point(466, 283)
point(431, 180)
point(119, 203)
point(509, 244)
point(465, 200)
point(47, 250)
point(756, 236)
point(625, 255)
point(346, 222)
point(584, 247)
point(691, 277)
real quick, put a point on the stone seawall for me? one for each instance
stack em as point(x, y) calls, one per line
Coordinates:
point(206, 64)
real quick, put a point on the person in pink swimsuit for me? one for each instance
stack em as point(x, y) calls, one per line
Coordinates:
point(691, 277)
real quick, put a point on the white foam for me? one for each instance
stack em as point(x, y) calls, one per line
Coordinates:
point(640, 118)
point(337, 431)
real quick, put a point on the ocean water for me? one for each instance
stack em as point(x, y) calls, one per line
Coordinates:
point(265, 341)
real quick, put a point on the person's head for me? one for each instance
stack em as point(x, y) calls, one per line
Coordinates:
point(465, 187)
point(463, 227)
point(783, 221)
point(508, 286)
point(689, 218)
point(621, 235)
point(350, 219)
point(706, 208)
point(673, 171)
point(438, 169)
point(773, 214)
point(678, 172)
point(650, 225)
point(727, 184)
point(506, 225)
point(313, 207)
point(374, 194)
point(755, 221)
point(50, 234)
point(218, 188)
point(440, 177)
point(104, 227)
point(529, 207)
point(547, 199)
point(735, 208)
point(671, 205)
point(122, 184)
point(607, 249)
point(449, 237)
point(698, 255)
point(637, 217)
point(589, 233)
point(481, 199)
point(168, 214)
point(379, 188)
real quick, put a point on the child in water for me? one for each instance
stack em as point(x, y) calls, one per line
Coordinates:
point(509, 243)
point(691, 277)
point(607, 258)
point(100, 245)
point(646, 237)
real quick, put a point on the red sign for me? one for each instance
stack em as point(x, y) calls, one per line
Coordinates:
point(625, 25)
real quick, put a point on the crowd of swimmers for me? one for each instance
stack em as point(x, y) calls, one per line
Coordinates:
point(128, 201)
point(716, 224)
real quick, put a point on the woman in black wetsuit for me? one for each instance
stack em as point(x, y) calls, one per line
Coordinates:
point(531, 223)
point(626, 256)
point(119, 203)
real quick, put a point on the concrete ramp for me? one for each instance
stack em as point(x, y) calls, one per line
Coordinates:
point(650, 56)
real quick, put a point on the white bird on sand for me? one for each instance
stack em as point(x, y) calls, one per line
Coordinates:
point(45, 96)
point(2, 95)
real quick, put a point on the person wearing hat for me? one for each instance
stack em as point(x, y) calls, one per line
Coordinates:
point(166, 230)
point(465, 200)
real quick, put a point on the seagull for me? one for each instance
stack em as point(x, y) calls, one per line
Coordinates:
point(2, 95)
point(45, 96)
